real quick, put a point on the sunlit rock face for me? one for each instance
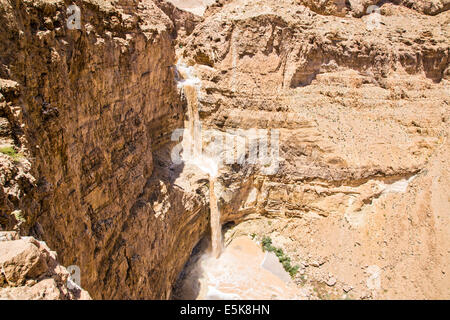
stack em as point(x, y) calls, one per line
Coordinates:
point(96, 108)
point(30, 271)
point(197, 7)
point(241, 272)
point(361, 104)
point(359, 199)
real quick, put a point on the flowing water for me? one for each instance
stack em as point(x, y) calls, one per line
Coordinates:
point(240, 273)
point(193, 153)
point(242, 270)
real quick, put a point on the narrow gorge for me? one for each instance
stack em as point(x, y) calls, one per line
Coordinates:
point(224, 149)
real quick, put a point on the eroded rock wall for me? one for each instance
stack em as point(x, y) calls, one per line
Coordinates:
point(362, 107)
point(91, 106)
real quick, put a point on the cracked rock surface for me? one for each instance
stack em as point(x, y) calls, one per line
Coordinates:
point(361, 102)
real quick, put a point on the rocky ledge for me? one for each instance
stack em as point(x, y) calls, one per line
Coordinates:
point(30, 271)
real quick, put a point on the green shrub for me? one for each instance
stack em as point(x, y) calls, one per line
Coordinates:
point(282, 257)
point(10, 151)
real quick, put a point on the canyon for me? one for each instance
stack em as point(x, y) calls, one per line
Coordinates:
point(114, 137)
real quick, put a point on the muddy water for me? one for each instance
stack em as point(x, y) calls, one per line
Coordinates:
point(216, 227)
point(237, 274)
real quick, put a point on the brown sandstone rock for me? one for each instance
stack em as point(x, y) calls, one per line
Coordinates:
point(20, 260)
point(362, 114)
point(93, 106)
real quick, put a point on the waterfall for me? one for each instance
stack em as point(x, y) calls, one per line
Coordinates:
point(192, 149)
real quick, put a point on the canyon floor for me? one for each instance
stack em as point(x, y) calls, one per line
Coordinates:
point(317, 131)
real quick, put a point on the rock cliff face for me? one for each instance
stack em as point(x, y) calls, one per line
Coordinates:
point(361, 106)
point(89, 107)
point(30, 271)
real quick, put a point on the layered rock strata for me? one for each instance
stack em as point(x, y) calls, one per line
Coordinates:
point(360, 102)
point(89, 109)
